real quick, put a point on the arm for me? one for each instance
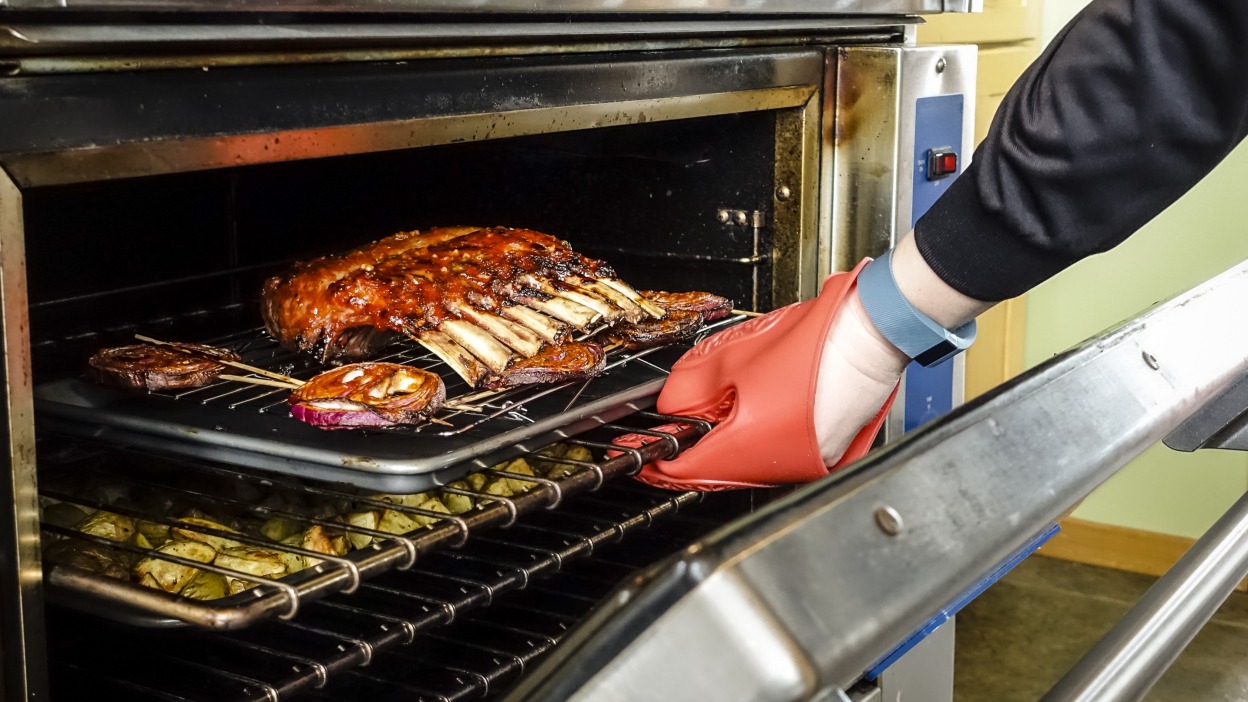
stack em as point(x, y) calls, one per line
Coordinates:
point(1129, 106)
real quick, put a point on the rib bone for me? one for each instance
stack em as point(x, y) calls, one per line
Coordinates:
point(632, 311)
point(606, 310)
point(625, 289)
point(525, 341)
point(578, 315)
point(485, 347)
point(551, 330)
point(457, 357)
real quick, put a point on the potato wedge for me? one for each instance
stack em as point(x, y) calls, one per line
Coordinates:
point(106, 525)
point(206, 586)
point(172, 577)
point(217, 542)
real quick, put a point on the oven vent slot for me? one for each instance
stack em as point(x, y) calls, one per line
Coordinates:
point(210, 489)
point(424, 632)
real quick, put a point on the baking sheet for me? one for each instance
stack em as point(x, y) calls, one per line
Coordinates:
point(251, 425)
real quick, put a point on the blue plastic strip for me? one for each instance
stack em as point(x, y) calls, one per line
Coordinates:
point(937, 123)
point(929, 394)
point(961, 601)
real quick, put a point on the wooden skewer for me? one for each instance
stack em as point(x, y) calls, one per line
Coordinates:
point(234, 364)
point(748, 313)
point(258, 381)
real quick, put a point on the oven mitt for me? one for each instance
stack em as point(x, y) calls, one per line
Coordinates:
point(756, 381)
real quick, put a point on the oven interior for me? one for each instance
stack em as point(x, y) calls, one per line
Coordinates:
point(681, 205)
point(646, 198)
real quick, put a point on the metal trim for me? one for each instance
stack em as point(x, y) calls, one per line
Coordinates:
point(132, 160)
point(796, 219)
point(526, 7)
point(153, 45)
point(21, 610)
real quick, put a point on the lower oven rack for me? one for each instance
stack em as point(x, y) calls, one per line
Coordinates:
point(284, 598)
point(461, 626)
point(250, 425)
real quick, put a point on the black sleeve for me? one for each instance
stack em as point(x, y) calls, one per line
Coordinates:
point(1132, 104)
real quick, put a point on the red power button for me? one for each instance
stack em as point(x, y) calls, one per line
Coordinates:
point(941, 161)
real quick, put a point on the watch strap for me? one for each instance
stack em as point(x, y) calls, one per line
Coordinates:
point(917, 335)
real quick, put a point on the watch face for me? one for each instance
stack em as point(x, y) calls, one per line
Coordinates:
point(940, 352)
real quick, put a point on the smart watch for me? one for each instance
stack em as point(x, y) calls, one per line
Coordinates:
point(916, 334)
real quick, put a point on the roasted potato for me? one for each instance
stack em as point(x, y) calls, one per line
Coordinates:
point(279, 528)
point(106, 525)
point(367, 519)
point(457, 504)
point(520, 467)
point(217, 542)
point(172, 577)
point(88, 556)
point(254, 561)
point(65, 515)
point(206, 586)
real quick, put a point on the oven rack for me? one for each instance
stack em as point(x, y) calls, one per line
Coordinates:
point(250, 425)
point(463, 626)
point(465, 408)
point(285, 597)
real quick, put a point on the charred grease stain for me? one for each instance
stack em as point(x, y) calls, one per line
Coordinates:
point(859, 91)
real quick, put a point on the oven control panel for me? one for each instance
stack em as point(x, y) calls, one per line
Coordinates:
point(929, 392)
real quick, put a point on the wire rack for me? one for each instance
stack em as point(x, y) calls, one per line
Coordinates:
point(465, 408)
point(250, 425)
point(160, 494)
point(461, 626)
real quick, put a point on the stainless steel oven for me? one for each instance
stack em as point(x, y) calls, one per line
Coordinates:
point(158, 160)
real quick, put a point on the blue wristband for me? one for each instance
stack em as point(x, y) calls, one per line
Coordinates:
point(916, 334)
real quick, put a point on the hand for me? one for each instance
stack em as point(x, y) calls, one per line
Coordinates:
point(792, 392)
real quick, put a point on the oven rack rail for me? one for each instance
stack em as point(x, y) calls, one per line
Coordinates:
point(284, 598)
point(426, 623)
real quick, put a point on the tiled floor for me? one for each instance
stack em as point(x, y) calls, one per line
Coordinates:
point(1018, 638)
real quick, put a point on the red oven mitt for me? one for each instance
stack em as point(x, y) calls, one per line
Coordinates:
point(757, 381)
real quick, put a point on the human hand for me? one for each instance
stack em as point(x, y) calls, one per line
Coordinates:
point(792, 392)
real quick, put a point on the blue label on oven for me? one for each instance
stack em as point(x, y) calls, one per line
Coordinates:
point(937, 126)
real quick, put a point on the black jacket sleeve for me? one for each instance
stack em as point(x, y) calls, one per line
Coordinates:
point(1132, 104)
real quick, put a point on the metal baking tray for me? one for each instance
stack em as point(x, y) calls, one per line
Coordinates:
point(250, 425)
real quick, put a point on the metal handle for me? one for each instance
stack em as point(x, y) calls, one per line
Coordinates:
point(1137, 651)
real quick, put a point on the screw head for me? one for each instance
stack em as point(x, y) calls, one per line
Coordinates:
point(783, 194)
point(741, 217)
point(889, 520)
point(941, 64)
point(1150, 360)
point(724, 216)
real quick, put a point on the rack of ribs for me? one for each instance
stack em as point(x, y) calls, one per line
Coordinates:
point(499, 306)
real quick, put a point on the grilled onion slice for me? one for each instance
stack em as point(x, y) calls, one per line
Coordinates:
point(554, 364)
point(368, 395)
point(678, 325)
point(711, 306)
point(148, 367)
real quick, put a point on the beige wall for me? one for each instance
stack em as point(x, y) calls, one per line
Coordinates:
point(1199, 236)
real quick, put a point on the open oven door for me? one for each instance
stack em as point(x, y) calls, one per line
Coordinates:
point(798, 600)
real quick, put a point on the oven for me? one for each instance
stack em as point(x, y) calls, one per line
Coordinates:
point(159, 160)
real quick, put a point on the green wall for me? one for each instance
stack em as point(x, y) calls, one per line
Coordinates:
point(1201, 235)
